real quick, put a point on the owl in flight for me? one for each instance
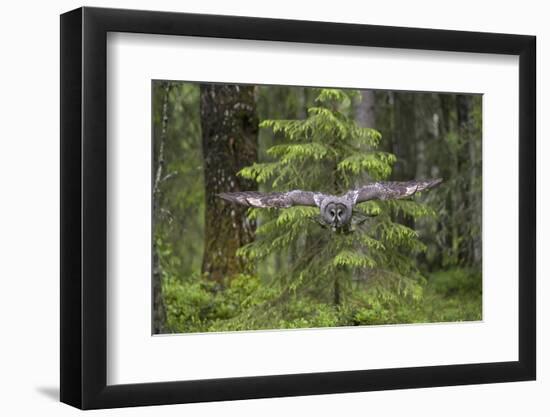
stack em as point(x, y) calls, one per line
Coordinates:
point(336, 211)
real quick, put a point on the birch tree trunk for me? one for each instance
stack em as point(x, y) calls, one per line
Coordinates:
point(159, 310)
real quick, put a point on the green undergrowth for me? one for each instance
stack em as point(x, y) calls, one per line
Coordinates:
point(200, 305)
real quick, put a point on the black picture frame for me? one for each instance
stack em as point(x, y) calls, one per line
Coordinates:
point(84, 207)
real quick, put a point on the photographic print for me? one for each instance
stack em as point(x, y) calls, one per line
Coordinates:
point(286, 207)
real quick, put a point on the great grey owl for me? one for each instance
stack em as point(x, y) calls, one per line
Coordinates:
point(336, 211)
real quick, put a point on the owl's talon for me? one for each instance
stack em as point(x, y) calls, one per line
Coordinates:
point(320, 222)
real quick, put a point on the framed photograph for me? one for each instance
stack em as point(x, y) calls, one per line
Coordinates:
point(258, 208)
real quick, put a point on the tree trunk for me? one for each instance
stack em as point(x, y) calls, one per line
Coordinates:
point(229, 137)
point(404, 143)
point(450, 173)
point(365, 112)
point(336, 294)
point(159, 310)
point(467, 167)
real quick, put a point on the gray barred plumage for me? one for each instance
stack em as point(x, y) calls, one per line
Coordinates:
point(336, 211)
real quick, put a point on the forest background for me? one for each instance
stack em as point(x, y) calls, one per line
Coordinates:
point(219, 267)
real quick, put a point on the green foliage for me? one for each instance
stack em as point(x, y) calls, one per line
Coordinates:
point(453, 295)
point(377, 164)
point(182, 188)
point(301, 274)
point(196, 305)
point(328, 151)
point(456, 281)
point(199, 305)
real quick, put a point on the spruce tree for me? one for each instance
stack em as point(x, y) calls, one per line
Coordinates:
point(324, 277)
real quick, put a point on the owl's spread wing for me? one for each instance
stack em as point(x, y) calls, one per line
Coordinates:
point(389, 190)
point(274, 199)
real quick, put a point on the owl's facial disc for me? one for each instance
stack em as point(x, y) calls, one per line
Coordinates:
point(337, 214)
